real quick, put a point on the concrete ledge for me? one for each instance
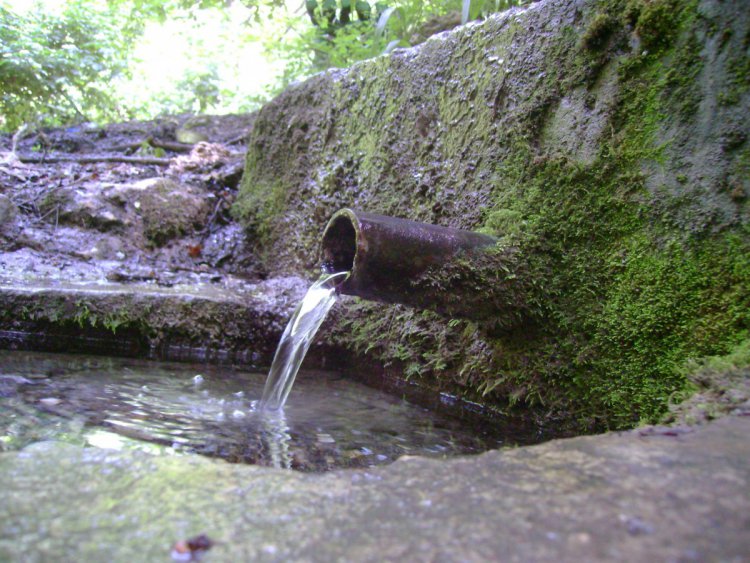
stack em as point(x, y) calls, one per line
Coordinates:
point(649, 495)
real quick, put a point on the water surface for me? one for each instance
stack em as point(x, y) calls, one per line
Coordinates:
point(328, 422)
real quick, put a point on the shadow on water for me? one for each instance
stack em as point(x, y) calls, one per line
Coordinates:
point(329, 422)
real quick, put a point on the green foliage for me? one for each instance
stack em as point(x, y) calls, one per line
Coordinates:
point(386, 25)
point(80, 60)
point(476, 9)
point(84, 61)
point(55, 67)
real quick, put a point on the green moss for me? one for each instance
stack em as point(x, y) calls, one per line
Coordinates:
point(658, 23)
point(598, 31)
point(737, 358)
point(738, 79)
point(631, 11)
point(717, 385)
point(504, 222)
point(668, 304)
point(681, 84)
point(260, 208)
point(618, 291)
point(625, 297)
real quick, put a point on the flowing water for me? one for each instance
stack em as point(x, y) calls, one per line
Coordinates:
point(296, 339)
point(330, 421)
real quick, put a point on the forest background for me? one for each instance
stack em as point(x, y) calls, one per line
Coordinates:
point(64, 62)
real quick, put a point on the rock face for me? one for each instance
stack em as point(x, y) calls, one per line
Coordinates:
point(655, 494)
point(606, 141)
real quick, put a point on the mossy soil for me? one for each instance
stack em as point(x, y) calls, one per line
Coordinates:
point(606, 141)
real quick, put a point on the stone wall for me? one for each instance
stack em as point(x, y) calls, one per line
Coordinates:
point(607, 141)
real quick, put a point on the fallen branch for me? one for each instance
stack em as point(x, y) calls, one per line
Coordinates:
point(167, 145)
point(239, 139)
point(10, 172)
point(143, 160)
point(171, 146)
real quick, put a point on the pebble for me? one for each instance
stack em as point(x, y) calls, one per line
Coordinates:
point(50, 401)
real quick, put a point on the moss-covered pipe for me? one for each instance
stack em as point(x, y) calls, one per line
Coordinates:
point(417, 264)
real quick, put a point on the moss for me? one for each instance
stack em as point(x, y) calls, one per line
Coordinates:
point(718, 385)
point(738, 79)
point(658, 23)
point(667, 305)
point(598, 31)
point(681, 84)
point(618, 290)
point(631, 11)
point(169, 210)
point(625, 296)
point(504, 222)
point(260, 210)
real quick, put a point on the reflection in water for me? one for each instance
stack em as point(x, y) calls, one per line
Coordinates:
point(276, 437)
point(168, 409)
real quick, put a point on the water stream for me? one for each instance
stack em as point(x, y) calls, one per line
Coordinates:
point(297, 338)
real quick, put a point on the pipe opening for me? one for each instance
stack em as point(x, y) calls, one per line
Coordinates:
point(339, 245)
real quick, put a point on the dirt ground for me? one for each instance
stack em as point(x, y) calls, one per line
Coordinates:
point(133, 201)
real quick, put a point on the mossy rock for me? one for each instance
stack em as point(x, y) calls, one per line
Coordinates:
point(603, 140)
point(167, 209)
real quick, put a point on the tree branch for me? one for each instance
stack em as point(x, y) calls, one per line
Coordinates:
point(95, 159)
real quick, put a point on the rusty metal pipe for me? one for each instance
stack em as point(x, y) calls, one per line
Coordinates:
point(417, 264)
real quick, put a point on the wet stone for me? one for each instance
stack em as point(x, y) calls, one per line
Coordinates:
point(616, 497)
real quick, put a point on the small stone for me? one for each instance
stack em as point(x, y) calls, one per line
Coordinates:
point(636, 526)
point(181, 551)
point(191, 549)
point(325, 438)
point(581, 538)
point(50, 401)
